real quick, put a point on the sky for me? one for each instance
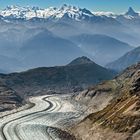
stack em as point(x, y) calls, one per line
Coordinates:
point(116, 6)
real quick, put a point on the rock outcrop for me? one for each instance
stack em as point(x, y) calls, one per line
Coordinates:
point(9, 99)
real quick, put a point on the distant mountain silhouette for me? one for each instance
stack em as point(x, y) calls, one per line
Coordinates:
point(126, 60)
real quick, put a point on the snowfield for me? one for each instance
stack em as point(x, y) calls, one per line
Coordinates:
point(44, 118)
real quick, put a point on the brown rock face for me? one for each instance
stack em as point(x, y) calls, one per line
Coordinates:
point(8, 98)
point(136, 83)
point(120, 118)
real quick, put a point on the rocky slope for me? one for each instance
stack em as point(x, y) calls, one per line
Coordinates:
point(117, 117)
point(9, 99)
point(79, 74)
point(126, 60)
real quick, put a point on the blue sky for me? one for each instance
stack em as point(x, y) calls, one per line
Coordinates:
point(95, 5)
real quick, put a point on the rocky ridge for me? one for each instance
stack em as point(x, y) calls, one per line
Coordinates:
point(119, 118)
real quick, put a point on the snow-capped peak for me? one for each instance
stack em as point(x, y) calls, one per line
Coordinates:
point(131, 12)
point(72, 12)
point(17, 7)
point(30, 12)
point(65, 11)
point(23, 12)
point(102, 13)
point(130, 15)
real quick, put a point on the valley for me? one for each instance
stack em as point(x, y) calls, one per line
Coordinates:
point(32, 37)
point(69, 73)
point(45, 119)
point(108, 110)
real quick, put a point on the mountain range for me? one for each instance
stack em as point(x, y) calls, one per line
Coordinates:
point(33, 37)
point(101, 48)
point(65, 11)
point(41, 47)
point(77, 75)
